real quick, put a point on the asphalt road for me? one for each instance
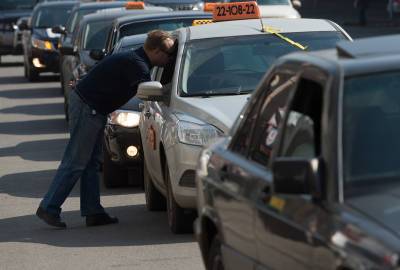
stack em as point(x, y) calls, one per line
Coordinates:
point(33, 135)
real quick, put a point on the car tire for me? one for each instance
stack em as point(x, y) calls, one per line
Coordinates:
point(33, 75)
point(155, 201)
point(178, 220)
point(214, 258)
point(113, 176)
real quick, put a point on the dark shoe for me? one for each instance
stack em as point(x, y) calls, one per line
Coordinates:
point(50, 219)
point(100, 219)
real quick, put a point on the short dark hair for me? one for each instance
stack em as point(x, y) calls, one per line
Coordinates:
point(155, 40)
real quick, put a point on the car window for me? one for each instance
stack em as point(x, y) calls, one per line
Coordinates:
point(301, 133)
point(371, 130)
point(95, 35)
point(235, 65)
point(272, 113)
point(48, 17)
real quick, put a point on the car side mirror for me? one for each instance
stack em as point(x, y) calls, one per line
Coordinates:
point(297, 176)
point(150, 91)
point(97, 54)
point(66, 50)
point(22, 26)
point(59, 29)
point(296, 4)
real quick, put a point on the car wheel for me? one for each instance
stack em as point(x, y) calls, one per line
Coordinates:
point(113, 176)
point(155, 201)
point(214, 259)
point(178, 220)
point(33, 75)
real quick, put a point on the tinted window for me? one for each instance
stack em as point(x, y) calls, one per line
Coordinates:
point(48, 17)
point(95, 35)
point(271, 115)
point(144, 27)
point(371, 130)
point(234, 65)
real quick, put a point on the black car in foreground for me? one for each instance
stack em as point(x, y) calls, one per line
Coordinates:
point(40, 43)
point(309, 178)
point(10, 12)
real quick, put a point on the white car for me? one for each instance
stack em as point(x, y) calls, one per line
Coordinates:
point(197, 98)
point(279, 8)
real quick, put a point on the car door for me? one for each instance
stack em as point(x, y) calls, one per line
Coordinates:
point(233, 180)
point(285, 224)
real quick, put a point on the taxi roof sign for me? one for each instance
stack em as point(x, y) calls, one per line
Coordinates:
point(209, 7)
point(134, 5)
point(236, 11)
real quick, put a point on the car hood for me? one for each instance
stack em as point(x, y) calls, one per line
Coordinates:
point(279, 11)
point(45, 33)
point(14, 14)
point(383, 207)
point(220, 111)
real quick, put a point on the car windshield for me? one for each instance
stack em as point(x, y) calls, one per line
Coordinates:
point(95, 35)
point(48, 17)
point(235, 65)
point(17, 4)
point(371, 130)
point(144, 27)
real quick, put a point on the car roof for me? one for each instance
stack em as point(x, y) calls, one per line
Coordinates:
point(56, 4)
point(100, 5)
point(361, 56)
point(110, 14)
point(163, 15)
point(253, 27)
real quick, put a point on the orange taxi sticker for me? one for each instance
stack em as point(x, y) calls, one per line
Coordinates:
point(134, 5)
point(236, 11)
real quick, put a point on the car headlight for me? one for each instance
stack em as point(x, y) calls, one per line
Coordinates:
point(198, 6)
point(42, 44)
point(124, 118)
point(195, 134)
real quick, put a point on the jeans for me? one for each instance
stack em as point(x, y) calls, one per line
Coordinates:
point(81, 160)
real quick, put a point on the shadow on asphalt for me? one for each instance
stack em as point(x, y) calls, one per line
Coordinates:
point(44, 150)
point(35, 185)
point(137, 227)
point(35, 127)
point(36, 109)
point(50, 92)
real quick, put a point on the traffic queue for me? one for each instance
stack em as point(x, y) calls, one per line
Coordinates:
point(254, 136)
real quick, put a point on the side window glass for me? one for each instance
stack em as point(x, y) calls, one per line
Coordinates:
point(302, 129)
point(271, 115)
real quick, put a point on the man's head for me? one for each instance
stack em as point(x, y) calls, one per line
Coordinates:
point(159, 47)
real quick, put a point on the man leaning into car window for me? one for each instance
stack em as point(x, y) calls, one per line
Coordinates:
point(109, 85)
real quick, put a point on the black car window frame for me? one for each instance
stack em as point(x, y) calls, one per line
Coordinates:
point(286, 84)
point(297, 104)
point(252, 110)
